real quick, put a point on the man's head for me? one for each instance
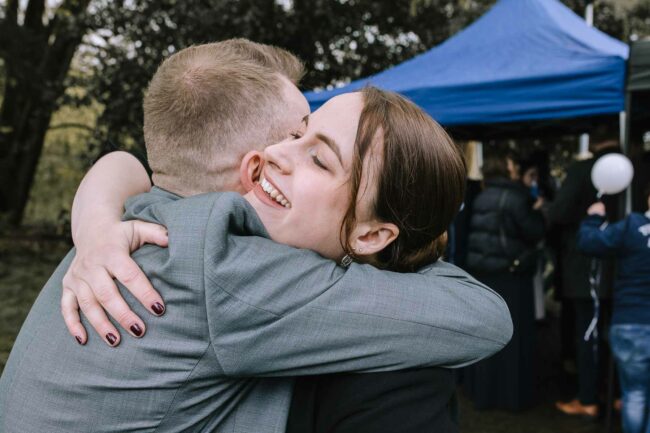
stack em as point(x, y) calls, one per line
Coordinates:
point(207, 105)
point(604, 136)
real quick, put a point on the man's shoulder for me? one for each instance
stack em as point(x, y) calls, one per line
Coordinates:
point(159, 205)
point(443, 269)
point(160, 197)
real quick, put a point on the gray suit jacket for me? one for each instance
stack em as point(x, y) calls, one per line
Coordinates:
point(244, 314)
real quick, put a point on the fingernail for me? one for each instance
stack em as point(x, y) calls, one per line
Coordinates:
point(137, 331)
point(79, 340)
point(111, 338)
point(158, 308)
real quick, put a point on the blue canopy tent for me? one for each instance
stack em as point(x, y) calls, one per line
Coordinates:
point(524, 60)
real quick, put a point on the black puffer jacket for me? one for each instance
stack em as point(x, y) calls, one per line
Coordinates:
point(503, 227)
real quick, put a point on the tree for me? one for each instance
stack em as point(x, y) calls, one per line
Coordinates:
point(338, 40)
point(37, 47)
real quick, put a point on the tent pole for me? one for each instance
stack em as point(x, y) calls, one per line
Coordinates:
point(624, 123)
point(583, 146)
point(626, 150)
point(589, 14)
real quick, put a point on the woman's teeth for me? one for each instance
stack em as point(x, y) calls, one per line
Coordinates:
point(274, 193)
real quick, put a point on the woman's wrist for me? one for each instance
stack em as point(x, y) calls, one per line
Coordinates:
point(99, 201)
point(93, 227)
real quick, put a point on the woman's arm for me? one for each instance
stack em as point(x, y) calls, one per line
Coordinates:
point(102, 192)
point(103, 244)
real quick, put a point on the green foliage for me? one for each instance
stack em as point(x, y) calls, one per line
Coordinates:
point(64, 160)
point(338, 41)
point(624, 20)
point(638, 21)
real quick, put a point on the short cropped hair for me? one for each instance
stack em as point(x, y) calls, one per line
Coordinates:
point(207, 105)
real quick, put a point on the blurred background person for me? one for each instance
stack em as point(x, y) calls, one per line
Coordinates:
point(629, 241)
point(504, 231)
point(529, 170)
point(566, 211)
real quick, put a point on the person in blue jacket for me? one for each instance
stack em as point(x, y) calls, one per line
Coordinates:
point(629, 241)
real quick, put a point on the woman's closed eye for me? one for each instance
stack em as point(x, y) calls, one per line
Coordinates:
point(318, 162)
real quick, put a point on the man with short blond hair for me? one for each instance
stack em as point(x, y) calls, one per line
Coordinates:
point(218, 101)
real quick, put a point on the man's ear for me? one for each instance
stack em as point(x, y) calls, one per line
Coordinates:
point(250, 169)
point(371, 237)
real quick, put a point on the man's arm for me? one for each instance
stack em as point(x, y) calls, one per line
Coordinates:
point(275, 310)
point(98, 233)
point(309, 318)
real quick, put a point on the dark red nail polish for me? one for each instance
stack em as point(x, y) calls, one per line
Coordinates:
point(137, 331)
point(79, 340)
point(111, 338)
point(158, 308)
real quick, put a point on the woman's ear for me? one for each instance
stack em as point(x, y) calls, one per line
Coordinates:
point(372, 237)
point(250, 169)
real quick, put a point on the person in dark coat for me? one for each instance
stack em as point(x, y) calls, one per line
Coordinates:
point(629, 241)
point(566, 212)
point(410, 401)
point(504, 232)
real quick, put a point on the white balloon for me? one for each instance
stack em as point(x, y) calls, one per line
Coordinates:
point(612, 173)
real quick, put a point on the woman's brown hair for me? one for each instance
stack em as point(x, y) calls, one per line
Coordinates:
point(420, 183)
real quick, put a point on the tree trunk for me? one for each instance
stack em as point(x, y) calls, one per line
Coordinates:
point(24, 122)
point(37, 61)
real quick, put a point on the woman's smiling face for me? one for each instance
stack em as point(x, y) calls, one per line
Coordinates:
point(302, 193)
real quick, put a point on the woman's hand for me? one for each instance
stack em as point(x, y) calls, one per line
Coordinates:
point(89, 285)
point(103, 246)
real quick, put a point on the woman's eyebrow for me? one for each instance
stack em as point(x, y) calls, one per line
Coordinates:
point(332, 144)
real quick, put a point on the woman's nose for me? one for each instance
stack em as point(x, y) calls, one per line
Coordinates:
point(281, 157)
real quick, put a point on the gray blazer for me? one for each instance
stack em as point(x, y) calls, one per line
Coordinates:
point(244, 314)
